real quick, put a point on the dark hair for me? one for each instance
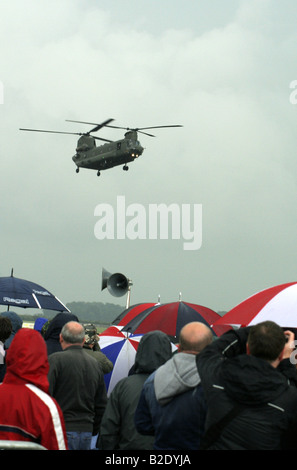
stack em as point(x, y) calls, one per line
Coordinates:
point(266, 340)
point(5, 328)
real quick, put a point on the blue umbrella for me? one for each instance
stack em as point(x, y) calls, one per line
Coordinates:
point(27, 294)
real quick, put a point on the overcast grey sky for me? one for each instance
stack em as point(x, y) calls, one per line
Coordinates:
point(223, 70)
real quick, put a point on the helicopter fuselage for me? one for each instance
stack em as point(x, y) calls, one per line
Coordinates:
point(105, 156)
point(108, 155)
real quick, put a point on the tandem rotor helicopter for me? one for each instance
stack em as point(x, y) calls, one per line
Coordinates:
point(109, 154)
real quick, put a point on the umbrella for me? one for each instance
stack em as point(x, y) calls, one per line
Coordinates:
point(129, 313)
point(27, 294)
point(120, 348)
point(171, 317)
point(278, 304)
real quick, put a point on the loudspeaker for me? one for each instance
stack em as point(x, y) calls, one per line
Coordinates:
point(117, 284)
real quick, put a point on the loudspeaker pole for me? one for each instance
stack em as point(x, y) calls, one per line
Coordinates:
point(130, 283)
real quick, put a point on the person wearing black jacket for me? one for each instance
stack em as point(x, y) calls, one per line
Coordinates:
point(117, 430)
point(250, 386)
point(76, 381)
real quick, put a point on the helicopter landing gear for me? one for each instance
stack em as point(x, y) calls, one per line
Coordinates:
point(77, 170)
point(125, 167)
point(98, 173)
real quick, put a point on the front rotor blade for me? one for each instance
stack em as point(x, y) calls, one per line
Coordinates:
point(51, 132)
point(100, 138)
point(95, 129)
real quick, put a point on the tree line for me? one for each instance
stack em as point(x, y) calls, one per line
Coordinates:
point(87, 312)
point(94, 312)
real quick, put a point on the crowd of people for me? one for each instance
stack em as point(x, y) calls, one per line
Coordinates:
point(234, 392)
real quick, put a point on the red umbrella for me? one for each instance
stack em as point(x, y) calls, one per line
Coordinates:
point(278, 304)
point(171, 317)
point(131, 312)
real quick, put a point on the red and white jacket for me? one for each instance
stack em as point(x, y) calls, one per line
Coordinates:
point(27, 411)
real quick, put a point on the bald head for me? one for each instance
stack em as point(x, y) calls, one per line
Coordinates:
point(72, 333)
point(194, 337)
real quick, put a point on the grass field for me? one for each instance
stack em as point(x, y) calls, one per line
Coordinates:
point(29, 324)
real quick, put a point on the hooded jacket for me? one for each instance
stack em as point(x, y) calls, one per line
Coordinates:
point(175, 377)
point(171, 406)
point(53, 331)
point(27, 411)
point(117, 427)
point(16, 322)
point(267, 395)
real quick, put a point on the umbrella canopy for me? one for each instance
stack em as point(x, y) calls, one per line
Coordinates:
point(120, 348)
point(278, 304)
point(27, 294)
point(171, 317)
point(131, 312)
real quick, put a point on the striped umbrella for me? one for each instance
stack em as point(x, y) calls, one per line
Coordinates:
point(171, 317)
point(131, 312)
point(278, 304)
point(120, 348)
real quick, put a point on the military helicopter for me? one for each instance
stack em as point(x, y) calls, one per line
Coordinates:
point(109, 154)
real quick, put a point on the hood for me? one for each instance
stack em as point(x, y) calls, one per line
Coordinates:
point(39, 322)
point(251, 381)
point(153, 350)
point(26, 360)
point(176, 376)
point(16, 322)
point(56, 324)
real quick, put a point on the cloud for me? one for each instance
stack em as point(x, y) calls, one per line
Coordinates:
point(224, 77)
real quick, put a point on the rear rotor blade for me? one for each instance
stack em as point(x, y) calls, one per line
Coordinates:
point(146, 133)
point(140, 129)
point(129, 129)
point(159, 127)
